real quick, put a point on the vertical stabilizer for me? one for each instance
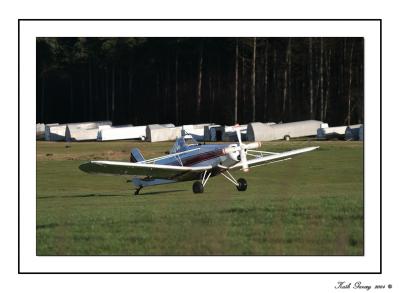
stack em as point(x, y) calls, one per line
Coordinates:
point(136, 156)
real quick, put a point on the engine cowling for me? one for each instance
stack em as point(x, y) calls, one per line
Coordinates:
point(231, 155)
point(235, 155)
point(238, 153)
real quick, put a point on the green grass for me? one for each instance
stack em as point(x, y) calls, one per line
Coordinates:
point(310, 205)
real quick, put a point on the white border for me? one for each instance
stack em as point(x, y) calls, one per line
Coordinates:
point(29, 30)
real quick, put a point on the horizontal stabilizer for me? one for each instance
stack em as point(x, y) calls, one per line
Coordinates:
point(145, 182)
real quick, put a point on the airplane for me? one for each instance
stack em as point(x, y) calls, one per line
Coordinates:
point(189, 160)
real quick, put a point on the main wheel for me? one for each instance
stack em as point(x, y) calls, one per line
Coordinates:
point(198, 187)
point(242, 184)
point(286, 137)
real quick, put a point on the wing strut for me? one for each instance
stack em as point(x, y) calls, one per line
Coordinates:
point(205, 178)
point(230, 177)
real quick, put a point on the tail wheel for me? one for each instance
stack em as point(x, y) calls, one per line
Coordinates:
point(198, 187)
point(242, 184)
point(138, 190)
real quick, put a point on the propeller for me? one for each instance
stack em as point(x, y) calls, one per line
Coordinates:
point(243, 157)
point(242, 148)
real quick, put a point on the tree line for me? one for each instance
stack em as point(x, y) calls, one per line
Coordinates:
point(193, 80)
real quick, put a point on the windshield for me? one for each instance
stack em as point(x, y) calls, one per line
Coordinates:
point(178, 146)
point(182, 142)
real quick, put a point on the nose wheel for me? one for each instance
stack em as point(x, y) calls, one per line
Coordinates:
point(242, 184)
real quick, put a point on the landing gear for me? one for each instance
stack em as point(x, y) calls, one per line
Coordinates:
point(138, 190)
point(198, 187)
point(242, 184)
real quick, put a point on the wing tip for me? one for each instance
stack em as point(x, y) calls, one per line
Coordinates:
point(85, 167)
point(311, 148)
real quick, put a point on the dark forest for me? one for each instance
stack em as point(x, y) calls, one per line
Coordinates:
point(143, 81)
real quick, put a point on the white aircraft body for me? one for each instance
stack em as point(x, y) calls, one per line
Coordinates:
point(192, 161)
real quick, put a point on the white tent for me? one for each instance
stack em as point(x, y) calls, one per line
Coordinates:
point(352, 132)
point(40, 128)
point(196, 130)
point(266, 131)
point(361, 133)
point(213, 132)
point(74, 133)
point(157, 132)
point(55, 132)
point(84, 131)
point(229, 133)
point(331, 132)
point(167, 125)
point(125, 132)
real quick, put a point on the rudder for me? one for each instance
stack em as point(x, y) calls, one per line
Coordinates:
point(136, 156)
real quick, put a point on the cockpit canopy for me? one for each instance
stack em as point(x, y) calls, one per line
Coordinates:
point(182, 143)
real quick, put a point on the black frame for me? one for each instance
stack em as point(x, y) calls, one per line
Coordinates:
point(222, 20)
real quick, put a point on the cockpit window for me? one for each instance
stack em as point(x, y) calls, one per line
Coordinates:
point(178, 146)
point(182, 142)
point(189, 140)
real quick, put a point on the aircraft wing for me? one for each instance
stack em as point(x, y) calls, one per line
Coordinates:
point(151, 171)
point(274, 157)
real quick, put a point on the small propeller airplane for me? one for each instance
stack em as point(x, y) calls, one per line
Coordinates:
point(189, 160)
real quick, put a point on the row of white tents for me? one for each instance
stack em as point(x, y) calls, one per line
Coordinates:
point(271, 131)
point(105, 131)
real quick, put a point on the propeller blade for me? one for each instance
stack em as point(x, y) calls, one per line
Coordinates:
point(239, 136)
point(243, 148)
point(252, 145)
point(249, 146)
point(243, 159)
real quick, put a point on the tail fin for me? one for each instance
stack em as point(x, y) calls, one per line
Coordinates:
point(136, 156)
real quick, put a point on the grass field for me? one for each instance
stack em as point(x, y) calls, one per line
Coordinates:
point(311, 205)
